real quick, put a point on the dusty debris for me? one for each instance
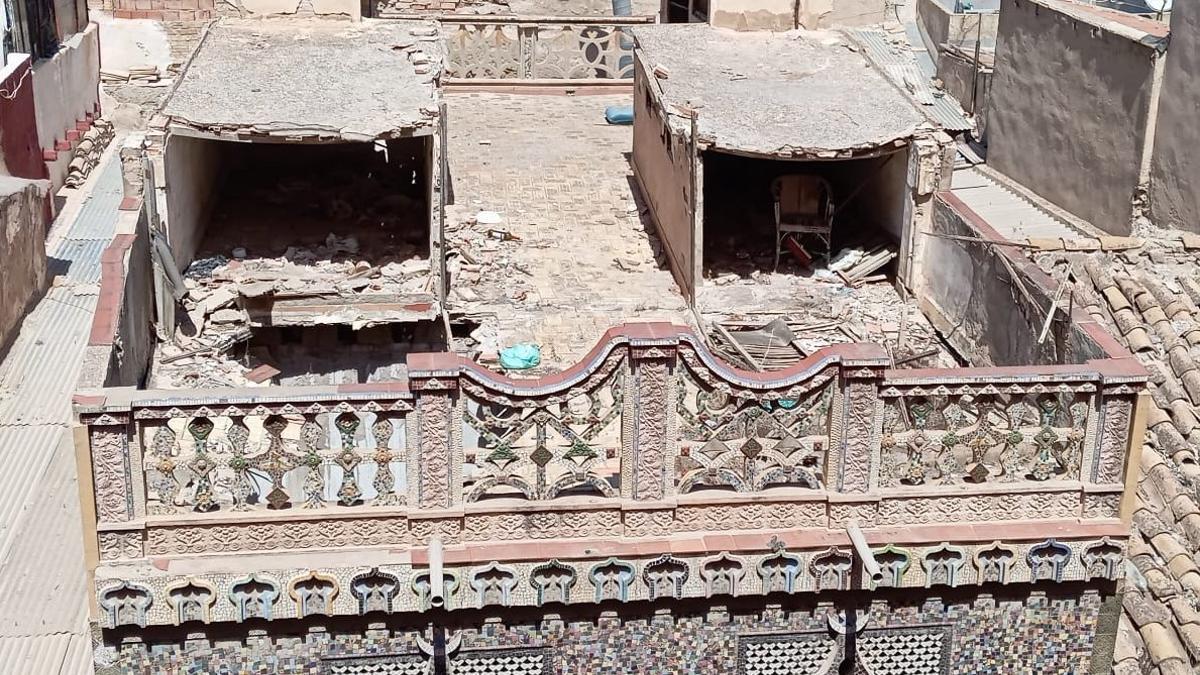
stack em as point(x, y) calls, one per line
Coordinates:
point(134, 74)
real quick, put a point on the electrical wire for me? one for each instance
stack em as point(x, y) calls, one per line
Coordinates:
point(7, 95)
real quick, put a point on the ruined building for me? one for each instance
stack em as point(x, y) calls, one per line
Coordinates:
point(803, 398)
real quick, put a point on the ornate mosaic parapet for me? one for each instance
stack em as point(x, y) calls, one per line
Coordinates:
point(649, 435)
point(164, 598)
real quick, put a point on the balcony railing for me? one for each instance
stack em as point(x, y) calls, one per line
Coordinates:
point(508, 48)
point(649, 435)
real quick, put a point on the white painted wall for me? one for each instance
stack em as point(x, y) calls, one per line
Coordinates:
point(66, 86)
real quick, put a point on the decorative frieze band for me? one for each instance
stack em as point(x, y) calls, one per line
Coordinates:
point(164, 599)
point(396, 528)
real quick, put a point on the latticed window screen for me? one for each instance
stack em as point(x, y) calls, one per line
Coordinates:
point(904, 651)
point(501, 662)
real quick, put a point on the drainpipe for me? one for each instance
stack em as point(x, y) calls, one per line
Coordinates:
point(870, 566)
point(437, 577)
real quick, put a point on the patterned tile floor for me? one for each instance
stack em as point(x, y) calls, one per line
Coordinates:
point(561, 179)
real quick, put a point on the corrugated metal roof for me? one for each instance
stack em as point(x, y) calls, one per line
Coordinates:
point(896, 58)
point(25, 452)
point(95, 219)
point(65, 653)
point(43, 622)
point(78, 259)
point(1010, 214)
point(39, 374)
point(42, 584)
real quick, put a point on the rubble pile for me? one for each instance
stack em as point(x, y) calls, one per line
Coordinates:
point(135, 74)
point(87, 153)
point(334, 269)
point(480, 248)
point(480, 253)
point(827, 314)
point(220, 290)
point(849, 300)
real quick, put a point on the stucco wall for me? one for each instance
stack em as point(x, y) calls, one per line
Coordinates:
point(783, 15)
point(662, 165)
point(22, 251)
point(71, 16)
point(970, 296)
point(1174, 188)
point(191, 171)
point(940, 25)
point(66, 86)
point(1069, 104)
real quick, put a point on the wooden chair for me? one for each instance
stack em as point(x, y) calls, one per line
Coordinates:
point(803, 205)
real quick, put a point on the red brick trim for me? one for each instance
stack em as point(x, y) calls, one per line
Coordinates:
point(112, 291)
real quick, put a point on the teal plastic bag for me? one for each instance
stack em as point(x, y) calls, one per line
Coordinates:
point(520, 357)
point(619, 114)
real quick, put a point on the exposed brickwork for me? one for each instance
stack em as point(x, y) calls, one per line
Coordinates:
point(388, 8)
point(162, 10)
point(182, 37)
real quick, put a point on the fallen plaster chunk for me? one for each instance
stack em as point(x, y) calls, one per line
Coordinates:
point(227, 316)
point(256, 289)
point(488, 218)
point(222, 297)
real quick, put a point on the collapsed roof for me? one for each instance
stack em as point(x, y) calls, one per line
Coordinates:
point(794, 93)
point(329, 80)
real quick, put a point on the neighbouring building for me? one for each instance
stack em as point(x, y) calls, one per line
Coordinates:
point(1174, 200)
point(1072, 103)
point(740, 453)
point(49, 107)
point(775, 15)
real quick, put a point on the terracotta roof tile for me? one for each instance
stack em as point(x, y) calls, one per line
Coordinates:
point(1151, 306)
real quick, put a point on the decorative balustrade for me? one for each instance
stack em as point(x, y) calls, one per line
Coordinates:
point(543, 447)
point(749, 440)
point(650, 435)
point(248, 458)
point(985, 433)
point(498, 48)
